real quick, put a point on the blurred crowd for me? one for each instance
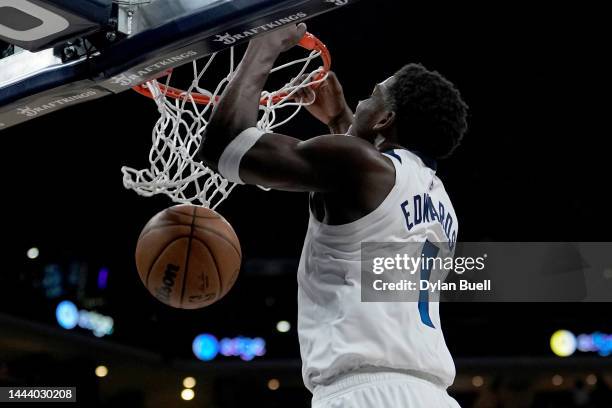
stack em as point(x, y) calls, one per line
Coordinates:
point(508, 391)
point(520, 393)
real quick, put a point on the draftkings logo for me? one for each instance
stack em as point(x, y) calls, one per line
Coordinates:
point(337, 2)
point(29, 111)
point(143, 73)
point(229, 39)
point(123, 79)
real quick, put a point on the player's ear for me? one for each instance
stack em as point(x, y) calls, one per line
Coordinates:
point(385, 122)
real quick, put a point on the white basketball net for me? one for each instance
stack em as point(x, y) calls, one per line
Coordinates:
point(174, 168)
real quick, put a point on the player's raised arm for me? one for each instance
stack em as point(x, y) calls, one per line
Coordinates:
point(324, 163)
point(327, 104)
point(242, 153)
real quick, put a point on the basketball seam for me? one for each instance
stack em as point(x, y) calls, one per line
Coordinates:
point(197, 227)
point(170, 210)
point(212, 255)
point(161, 251)
point(157, 226)
point(187, 257)
point(220, 293)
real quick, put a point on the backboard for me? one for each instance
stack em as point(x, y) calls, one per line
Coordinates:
point(58, 53)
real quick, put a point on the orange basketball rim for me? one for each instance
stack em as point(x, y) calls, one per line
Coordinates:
point(308, 42)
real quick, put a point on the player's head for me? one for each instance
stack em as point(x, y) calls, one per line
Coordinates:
point(415, 108)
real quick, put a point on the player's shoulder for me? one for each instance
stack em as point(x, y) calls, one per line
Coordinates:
point(412, 158)
point(345, 149)
point(341, 142)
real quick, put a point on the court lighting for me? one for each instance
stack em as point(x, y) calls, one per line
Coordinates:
point(283, 326)
point(477, 381)
point(187, 394)
point(273, 384)
point(101, 371)
point(557, 380)
point(189, 382)
point(33, 253)
point(591, 379)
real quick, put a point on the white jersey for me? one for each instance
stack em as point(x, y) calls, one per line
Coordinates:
point(338, 333)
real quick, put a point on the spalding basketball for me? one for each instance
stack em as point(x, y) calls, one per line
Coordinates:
point(188, 257)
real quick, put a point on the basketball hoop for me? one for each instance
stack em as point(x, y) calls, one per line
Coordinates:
point(174, 168)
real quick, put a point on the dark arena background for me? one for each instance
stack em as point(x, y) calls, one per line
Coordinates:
point(533, 167)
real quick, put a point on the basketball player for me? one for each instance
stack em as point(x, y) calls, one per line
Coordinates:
point(363, 179)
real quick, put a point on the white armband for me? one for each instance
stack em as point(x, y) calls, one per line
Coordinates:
point(229, 162)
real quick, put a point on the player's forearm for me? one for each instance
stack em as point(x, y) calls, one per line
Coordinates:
point(238, 106)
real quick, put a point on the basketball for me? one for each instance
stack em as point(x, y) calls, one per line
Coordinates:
point(188, 257)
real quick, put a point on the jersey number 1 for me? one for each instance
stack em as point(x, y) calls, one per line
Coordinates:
point(429, 251)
